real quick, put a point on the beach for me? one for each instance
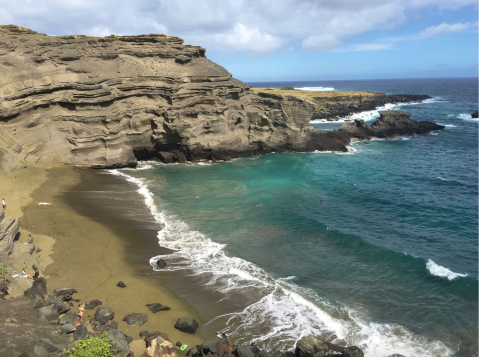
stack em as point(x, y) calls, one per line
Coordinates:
point(86, 255)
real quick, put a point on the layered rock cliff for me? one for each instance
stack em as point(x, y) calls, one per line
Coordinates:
point(106, 102)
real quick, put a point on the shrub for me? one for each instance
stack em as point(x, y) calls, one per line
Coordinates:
point(92, 347)
point(287, 88)
point(3, 270)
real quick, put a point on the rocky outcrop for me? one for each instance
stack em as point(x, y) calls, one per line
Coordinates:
point(474, 115)
point(187, 325)
point(336, 107)
point(391, 123)
point(8, 230)
point(108, 102)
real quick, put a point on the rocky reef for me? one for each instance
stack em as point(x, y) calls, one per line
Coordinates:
point(390, 124)
point(8, 230)
point(336, 107)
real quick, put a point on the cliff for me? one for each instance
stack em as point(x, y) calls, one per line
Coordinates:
point(107, 102)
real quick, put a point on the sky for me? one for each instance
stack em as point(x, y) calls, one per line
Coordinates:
point(284, 40)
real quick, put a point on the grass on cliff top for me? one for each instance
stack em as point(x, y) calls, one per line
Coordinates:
point(306, 94)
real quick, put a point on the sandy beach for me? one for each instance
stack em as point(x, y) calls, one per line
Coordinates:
point(82, 253)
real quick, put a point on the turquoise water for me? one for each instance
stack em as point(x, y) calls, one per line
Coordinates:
point(387, 260)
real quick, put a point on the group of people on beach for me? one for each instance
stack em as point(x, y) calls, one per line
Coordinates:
point(35, 275)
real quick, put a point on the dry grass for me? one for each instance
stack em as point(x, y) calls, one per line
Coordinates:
point(312, 94)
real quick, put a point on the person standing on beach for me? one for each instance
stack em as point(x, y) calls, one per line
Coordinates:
point(4, 205)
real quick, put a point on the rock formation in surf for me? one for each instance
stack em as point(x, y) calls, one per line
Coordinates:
point(390, 124)
point(108, 102)
point(8, 230)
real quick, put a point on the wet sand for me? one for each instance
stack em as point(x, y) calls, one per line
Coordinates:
point(94, 255)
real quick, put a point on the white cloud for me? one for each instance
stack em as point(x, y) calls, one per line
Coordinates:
point(249, 40)
point(357, 47)
point(443, 28)
point(259, 27)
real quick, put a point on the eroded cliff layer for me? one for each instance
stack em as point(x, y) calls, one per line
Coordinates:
point(107, 102)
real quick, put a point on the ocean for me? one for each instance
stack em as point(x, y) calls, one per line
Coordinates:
point(377, 247)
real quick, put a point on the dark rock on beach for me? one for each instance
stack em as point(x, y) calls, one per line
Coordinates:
point(49, 346)
point(158, 345)
point(121, 284)
point(67, 328)
point(187, 325)
point(104, 315)
point(69, 318)
point(155, 307)
point(160, 263)
point(310, 346)
point(135, 319)
point(80, 332)
point(39, 287)
point(145, 333)
point(64, 294)
point(61, 306)
point(121, 347)
point(92, 304)
point(390, 124)
point(48, 313)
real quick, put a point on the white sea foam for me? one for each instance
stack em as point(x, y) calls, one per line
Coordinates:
point(448, 125)
point(318, 89)
point(464, 116)
point(441, 271)
point(442, 179)
point(284, 312)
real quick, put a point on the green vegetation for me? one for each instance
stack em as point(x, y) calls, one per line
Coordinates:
point(92, 347)
point(287, 88)
point(3, 270)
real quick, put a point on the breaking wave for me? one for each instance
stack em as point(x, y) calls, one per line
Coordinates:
point(441, 271)
point(283, 312)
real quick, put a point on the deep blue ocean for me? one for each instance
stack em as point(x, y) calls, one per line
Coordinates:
point(387, 261)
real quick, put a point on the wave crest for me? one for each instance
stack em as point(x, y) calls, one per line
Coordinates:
point(441, 271)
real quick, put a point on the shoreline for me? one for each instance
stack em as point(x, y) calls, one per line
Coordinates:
point(87, 255)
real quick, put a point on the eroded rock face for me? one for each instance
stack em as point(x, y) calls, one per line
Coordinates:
point(391, 123)
point(107, 102)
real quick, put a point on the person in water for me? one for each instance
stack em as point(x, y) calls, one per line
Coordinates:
point(81, 309)
point(4, 205)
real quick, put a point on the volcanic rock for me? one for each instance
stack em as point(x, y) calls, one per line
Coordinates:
point(48, 313)
point(135, 319)
point(310, 346)
point(121, 284)
point(39, 287)
point(391, 123)
point(161, 263)
point(352, 351)
point(155, 307)
point(160, 347)
point(187, 325)
point(92, 304)
point(104, 314)
point(80, 332)
point(474, 115)
point(61, 306)
point(120, 348)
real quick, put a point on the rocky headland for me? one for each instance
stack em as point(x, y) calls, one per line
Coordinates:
point(111, 101)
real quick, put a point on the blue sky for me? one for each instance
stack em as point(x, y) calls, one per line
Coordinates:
point(279, 40)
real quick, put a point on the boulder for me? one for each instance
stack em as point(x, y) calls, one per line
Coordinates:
point(64, 294)
point(61, 306)
point(104, 314)
point(80, 332)
point(475, 114)
point(178, 344)
point(120, 348)
point(155, 307)
point(70, 318)
point(145, 333)
point(90, 305)
point(310, 346)
point(135, 319)
point(48, 313)
point(37, 302)
point(24, 354)
point(160, 347)
point(3, 289)
point(102, 327)
point(121, 284)
point(352, 351)
point(40, 351)
point(154, 335)
point(160, 263)
point(67, 328)
point(244, 351)
point(48, 345)
point(39, 287)
point(187, 325)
